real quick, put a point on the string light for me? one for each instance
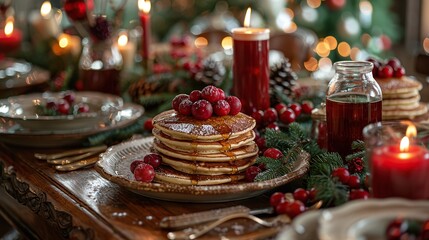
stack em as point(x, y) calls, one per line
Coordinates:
point(426, 45)
point(322, 49)
point(311, 64)
point(331, 41)
point(344, 49)
point(227, 43)
point(314, 3)
point(201, 42)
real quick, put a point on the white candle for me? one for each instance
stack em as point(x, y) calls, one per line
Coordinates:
point(127, 48)
point(44, 23)
point(68, 44)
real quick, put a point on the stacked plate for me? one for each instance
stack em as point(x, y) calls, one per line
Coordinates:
point(359, 219)
point(22, 124)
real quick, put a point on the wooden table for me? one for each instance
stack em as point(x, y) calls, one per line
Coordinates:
point(45, 204)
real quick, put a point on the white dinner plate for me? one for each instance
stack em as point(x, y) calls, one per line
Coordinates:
point(14, 134)
point(368, 219)
point(114, 165)
point(22, 110)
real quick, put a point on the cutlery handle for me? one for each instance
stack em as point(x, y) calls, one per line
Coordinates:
point(186, 220)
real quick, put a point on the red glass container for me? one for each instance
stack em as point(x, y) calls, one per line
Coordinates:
point(251, 70)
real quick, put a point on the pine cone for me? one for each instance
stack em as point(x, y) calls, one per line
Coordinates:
point(282, 79)
point(212, 73)
point(143, 88)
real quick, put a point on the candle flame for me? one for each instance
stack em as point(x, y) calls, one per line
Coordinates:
point(405, 144)
point(247, 17)
point(46, 8)
point(8, 28)
point(144, 5)
point(63, 41)
point(122, 40)
point(411, 131)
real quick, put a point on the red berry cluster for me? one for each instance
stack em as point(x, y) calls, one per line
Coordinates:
point(144, 169)
point(254, 170)
point(292, 204)
point(391, 68)
point(281, 112)
point(352, 181)
point(64, 105)
point(400, 228)
point(202, 104)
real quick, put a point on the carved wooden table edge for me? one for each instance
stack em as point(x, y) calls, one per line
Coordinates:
point(38, 204)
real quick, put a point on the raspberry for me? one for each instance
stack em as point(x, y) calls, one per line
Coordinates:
point(202, 109)
point(153, 159)
point(235, 105)
point(144, 173)
point(177, 100)
point(221, 108)
point(211, 94)
point(195, 95)
point(185, 107)
point(287, 116)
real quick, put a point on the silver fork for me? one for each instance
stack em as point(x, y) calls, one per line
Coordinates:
point(193, 233)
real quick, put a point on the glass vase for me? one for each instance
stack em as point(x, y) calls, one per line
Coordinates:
point(100, 66)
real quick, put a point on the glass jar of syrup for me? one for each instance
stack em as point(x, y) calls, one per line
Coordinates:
point(353, 100)
point(100, 66)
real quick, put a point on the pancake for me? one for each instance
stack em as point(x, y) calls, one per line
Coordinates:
point(401, 101)
point(409, 106)
point(240, 153)
point(209, 168)
point(169, 175)
point(213, 129)
point(398, 85)
point(409, 94)
point(399, 113)
point(212, 146)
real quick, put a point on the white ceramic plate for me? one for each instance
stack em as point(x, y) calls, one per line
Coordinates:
point(368, 219)
point(303, 227)
point(23, 110)
point(14, 134)
point(114, 165)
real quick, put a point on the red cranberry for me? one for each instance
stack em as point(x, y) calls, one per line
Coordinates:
point(211, 94)
point(177, 100)
point(221, 108)
point(221, 94)
point(394, 63)
point(301, 195)
point(75, 9)
point(399, 72)
point(342, 174)
point(195, 95)
point(270, 115)
point(251, 173)
point(277, 198)
point(185, 107)
point(287, 116)
point(274, 126)
point(148, 124)
point(280, 107)
point(259, 117)
point(235, 105)
point(307, 107)
point(385, 71)
point(51, 104)
point(82, 108)
point(312, 194)
point(273, 153)
point(354, 182)
point(295, 208)
point(358, 194)
point(282, 207)
point(153, 159)
point(63, 107)
point(134, 164)
point(69, 96)
point(296, 107)
point(202, 109)
point(144, 173)
point(261, 143)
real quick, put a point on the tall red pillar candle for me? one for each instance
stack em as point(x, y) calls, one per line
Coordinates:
point(144, 7)
point(396, 173)
point(10, 38)
point(251, 70)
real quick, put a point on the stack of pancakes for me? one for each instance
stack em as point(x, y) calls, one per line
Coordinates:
point(203, 152)
point(401, 98)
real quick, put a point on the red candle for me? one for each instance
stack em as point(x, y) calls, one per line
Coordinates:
point(10, 39)
point(398, 171)
point(251, 70)
point(144, 7)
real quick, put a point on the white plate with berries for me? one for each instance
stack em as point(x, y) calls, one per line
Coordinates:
point(373, 219)
point(60, 111)
point(115, 164)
